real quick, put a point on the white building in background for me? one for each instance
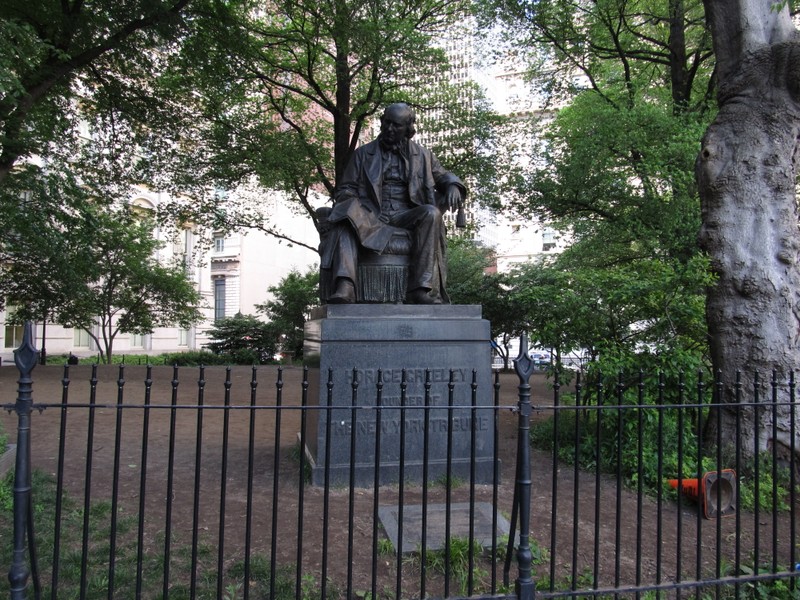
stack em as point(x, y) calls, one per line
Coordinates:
point(232, 276)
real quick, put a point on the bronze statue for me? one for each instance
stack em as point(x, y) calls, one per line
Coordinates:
point(391, 184)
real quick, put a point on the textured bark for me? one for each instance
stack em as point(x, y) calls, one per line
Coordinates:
point(747, 175)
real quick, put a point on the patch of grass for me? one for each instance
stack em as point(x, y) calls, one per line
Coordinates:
point(459, 564)
point(95, 565)
point(385, 547)
point(455, 482)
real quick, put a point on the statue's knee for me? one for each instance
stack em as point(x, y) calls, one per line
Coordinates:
point(431, 214)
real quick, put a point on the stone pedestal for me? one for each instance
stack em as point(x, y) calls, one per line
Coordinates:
point(445, 345)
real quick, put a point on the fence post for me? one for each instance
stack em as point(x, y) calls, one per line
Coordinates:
point(523, 365)
point(25, 357)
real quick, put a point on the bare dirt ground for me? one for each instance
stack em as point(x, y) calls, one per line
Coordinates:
point(625, 548)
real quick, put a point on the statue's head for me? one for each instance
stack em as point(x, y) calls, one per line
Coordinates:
point(397, 122)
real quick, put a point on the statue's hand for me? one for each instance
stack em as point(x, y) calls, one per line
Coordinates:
point(453, 197)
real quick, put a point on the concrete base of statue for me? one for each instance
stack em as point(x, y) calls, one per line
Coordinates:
point(423, 388)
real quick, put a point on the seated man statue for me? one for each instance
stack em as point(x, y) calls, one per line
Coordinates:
point(392, 181)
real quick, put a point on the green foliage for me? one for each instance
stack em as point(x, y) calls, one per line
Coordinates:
point(651, 431)
point(615, 174)
point(771, 485)
point(52, 55)
point(638, 315)
point(458, 561)
point(293, 298)
point(616, 435)
point(7, 494)
point(243, 339)
point(193, 358)
point(471, 279)
point(101, 272)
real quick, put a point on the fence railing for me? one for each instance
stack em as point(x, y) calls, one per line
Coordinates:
point(658, 490)
point(155, 482)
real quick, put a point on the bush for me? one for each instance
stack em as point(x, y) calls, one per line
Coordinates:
point(194, 358)
point(244, 339)
point(611, 438)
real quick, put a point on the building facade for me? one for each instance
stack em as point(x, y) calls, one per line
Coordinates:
point(232, 272)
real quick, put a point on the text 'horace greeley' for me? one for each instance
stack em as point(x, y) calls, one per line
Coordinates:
point(370, 376)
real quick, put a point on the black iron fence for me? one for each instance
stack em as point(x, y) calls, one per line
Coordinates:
point(143, 482)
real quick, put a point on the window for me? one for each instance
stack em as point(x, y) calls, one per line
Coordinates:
point(14, 335)
point(219, 299)
point(183, 337)
point(80, 338)
point(548, 239)
point(187, 248)
point(219, 243)
point(137, 341)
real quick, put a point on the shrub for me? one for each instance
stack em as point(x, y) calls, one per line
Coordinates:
point(647, 431)
point(244, 339)
point(194, 358)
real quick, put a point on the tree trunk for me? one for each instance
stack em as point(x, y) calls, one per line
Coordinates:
point(746, 174)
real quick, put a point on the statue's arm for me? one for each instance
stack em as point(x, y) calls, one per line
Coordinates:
point(450, 187)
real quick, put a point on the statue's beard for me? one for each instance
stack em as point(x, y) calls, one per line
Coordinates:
point(399, 145)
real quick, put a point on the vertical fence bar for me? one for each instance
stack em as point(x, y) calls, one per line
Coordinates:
point(792, 481)
point(273, 557)
point(639, 478)
point(523, 365)
point(699, 474)
point(223, 483)
point(473, 441)
point(554, 481)
point(576, 481)
point(352, 488)
point(737, 560)
point(87, 493)
point(25, 357)
point(173, 415)
point(198, 454)
point(148, 385)
point(618, 499)
point(326, 486)
point(449, 478)
point(597, 480)
point(112, 562)
point(423, 567)
point(495, 475)
point(774, 471)
point(660, 479)
point(679, 513)
point(301, 482)
point(251, 443)
point(756, 477)
point(376, 487)
point(62, 442)
point(716, 403)
point(401, 486)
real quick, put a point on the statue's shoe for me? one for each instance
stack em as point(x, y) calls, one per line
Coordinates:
point(422, 296)
point(345, 293)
